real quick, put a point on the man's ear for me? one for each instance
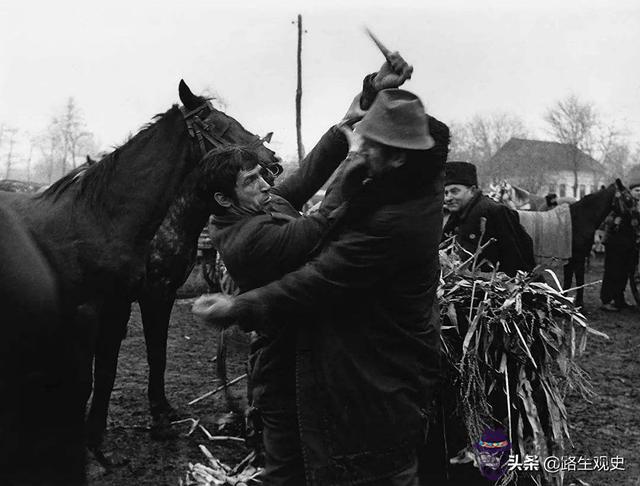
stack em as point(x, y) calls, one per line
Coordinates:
point(222, 200)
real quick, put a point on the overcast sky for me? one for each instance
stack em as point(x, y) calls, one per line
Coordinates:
point(122, 60)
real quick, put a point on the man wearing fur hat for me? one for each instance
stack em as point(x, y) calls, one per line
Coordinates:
point(476, 218)
point(621, 252)
point(364, 307)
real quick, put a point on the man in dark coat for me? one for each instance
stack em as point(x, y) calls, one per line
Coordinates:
point(621, 255)
point(365, 310)
point(475, 219)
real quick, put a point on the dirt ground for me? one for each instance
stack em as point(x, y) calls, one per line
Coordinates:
point(608, 426)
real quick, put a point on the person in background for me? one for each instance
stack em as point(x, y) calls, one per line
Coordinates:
point(476, 218)
point(621, 241)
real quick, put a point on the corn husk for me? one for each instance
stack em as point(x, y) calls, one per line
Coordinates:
point(216, 473)
point(517, 335)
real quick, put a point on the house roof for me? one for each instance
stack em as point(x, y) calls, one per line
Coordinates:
point(519, 156)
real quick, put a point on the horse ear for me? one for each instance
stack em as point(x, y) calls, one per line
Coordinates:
point(189, 100)
point(619, 184)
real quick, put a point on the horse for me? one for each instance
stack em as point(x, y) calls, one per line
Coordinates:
point(41, 423)
point(169, 261)
point(587, 215)
point(94, 226)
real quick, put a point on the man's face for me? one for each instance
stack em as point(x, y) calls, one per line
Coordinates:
point(377, 161)
point(252, 191)
point(457, 196)
point(635, 192)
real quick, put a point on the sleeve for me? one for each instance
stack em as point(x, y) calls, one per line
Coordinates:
point(286, 245)
point(315, 169)
point(354, 262)
point(515, 247)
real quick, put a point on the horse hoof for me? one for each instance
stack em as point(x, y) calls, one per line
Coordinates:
point(165, 413)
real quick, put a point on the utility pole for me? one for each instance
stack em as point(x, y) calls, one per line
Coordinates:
point(299, 94)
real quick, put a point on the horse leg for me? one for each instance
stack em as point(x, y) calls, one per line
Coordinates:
point(156, 313)
point(568, 274)
point(113, 328)
point(579, 271)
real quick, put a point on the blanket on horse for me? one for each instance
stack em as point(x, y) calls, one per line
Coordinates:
point(550, 232)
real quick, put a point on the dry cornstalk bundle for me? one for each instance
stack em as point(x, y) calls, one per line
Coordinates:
point(511, 344)
point(217, 473)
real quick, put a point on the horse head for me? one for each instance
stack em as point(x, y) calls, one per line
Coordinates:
point(212, 129)
point(623, 202)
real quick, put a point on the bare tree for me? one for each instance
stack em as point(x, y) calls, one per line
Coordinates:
point(9, 138)
point(65, 142)
point(617, 158)
point(478, 139)
point(574, 122)
point(76, 140)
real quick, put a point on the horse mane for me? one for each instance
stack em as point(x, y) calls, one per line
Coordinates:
point(91, 180)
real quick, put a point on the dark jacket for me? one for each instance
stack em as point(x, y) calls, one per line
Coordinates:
point(513, 247)
point(368, 326)
point(260, 248)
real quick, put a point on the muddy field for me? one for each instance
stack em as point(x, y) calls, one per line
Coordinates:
point(609, 426)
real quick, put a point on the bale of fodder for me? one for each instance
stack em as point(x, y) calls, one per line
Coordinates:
point(510, 346)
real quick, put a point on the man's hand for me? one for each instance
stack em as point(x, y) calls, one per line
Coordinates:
point(393, 73)
point(353, 115)
point(354, 139)
point(215, 309)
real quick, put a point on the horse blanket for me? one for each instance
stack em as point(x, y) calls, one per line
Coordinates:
point(550, 232)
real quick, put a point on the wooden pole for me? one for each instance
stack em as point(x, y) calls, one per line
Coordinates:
point(299, 94)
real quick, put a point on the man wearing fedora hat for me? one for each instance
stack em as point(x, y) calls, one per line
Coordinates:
point(364, 307)
point(476, 218)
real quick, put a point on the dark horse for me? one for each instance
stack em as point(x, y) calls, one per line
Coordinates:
point(587, 215)
point(94, 226)
point(41, 421)
point(171, 257)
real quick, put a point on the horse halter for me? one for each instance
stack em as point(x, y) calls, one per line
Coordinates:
point(622, 202)
point(202, 130)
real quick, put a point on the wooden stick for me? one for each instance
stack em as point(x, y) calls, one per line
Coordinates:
point(385, 52)
point(220, 388)
point(194, 424)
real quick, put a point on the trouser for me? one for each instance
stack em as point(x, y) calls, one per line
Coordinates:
point(284, 465)
point(283, 454)
point(618, 263)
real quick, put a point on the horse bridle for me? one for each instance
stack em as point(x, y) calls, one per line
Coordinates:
point(202, 130)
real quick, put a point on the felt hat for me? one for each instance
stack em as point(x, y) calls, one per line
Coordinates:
point(397, 118)
point(460, 173)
